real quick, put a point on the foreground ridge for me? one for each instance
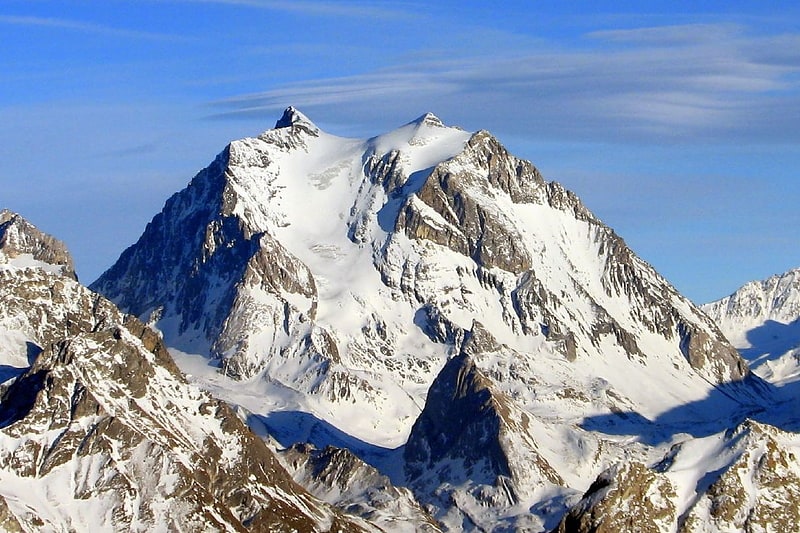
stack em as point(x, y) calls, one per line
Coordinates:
point(102, 430)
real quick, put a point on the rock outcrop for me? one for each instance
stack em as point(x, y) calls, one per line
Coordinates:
point(23, 244)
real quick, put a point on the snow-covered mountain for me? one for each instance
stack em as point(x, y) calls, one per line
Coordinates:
point(99, 430)
point(419, 328)
point(762, 320)
point(336, 281)
point(347, 270)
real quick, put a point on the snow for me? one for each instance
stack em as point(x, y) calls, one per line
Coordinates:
point(310, 197)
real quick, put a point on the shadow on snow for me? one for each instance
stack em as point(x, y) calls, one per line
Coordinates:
point(291, 427)
point(722, 409)
point(770, 341)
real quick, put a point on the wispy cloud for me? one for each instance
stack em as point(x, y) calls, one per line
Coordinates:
point(672, 83)
point(682, 34)
point(328, 9)
point(84, 27)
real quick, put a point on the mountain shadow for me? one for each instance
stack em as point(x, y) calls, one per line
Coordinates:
point(771, 340)
point(8, 372)
point(292, 427)
point(720, 410)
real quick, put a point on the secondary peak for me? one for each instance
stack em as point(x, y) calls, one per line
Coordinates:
point(292, 116)
point(429, 119)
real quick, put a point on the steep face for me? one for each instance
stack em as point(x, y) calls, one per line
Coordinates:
point(23, 245)
point(196, 240)
point(461, 420)
point(103, 431)
point(497, 210)
point(472, 453)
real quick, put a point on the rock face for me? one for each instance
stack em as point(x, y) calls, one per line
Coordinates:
point(627, 497)
point(338, 477)
point(758, 491)
point(776, 298)
point(473, 448)
point(102, 431)
point(747, 481)
point(23, 244)
point(466, 419)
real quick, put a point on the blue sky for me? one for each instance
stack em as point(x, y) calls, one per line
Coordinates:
point(677, 123)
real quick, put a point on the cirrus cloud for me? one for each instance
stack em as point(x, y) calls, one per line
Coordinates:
point(655, 84)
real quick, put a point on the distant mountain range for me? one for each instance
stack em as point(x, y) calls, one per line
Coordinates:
point(413, 332)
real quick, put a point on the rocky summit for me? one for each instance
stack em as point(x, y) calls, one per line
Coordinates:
point(411, 332)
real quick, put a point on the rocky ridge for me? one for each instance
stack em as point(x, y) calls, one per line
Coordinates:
point(103, 431)
point(21, 244)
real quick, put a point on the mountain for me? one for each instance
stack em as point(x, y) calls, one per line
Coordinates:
point(100, 431)
point(429, 302)
point(745, 479)
point(23, 244)
point(343, 272)
point(762, 319)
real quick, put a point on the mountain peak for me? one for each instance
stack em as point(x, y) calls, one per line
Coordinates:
point(6, 215)
point(292, 117)
point(429, 119)
point(23, 244)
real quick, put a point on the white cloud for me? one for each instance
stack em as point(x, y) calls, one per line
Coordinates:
point(666, 83)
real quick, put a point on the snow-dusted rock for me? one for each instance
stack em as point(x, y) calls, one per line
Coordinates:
point(338, 277)
point(102, 432)
point(22, 245)
point(338, 477)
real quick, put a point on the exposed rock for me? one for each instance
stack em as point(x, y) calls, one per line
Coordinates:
point(462, 420)
point(346, 272)
point(338, 477)
point(470, 435)
point(627, 497)
point(446, 211)
point(103, 417)
point(762, 319)
point(18, 237)
point(757, 492)
point(9, 522)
